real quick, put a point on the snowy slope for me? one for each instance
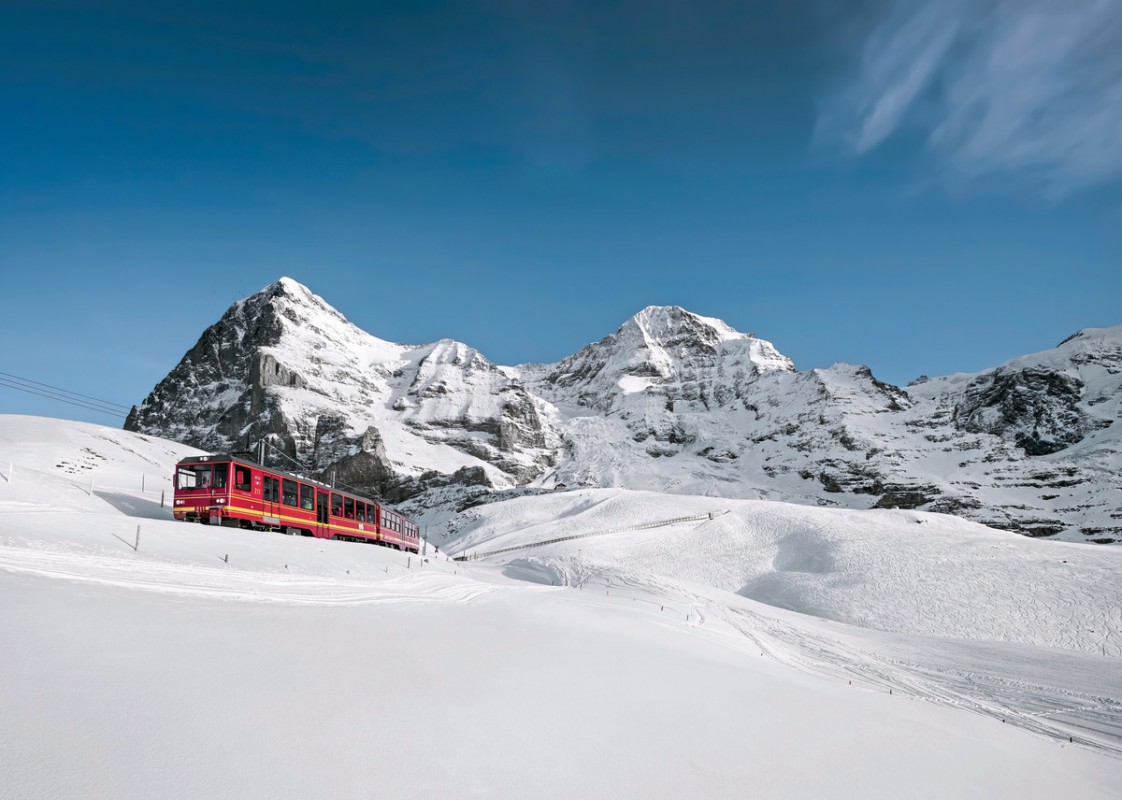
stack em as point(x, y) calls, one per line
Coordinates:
point(671, 402)
point(899, 571)
point(302, 668)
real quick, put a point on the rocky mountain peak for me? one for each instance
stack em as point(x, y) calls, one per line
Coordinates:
point(663, 345)
point(678, 332)
point(670, 326)
point(292, 305)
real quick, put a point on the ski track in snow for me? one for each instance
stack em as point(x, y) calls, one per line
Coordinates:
point(945, 672)
point(1047, 710)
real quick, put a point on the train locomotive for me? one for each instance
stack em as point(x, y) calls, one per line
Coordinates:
point(234, 492)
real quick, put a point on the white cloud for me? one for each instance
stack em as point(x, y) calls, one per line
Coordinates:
point(1030, 88)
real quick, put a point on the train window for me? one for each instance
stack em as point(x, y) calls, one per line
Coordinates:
point(336, 505)
point(349, 507)
point(289, 492)
point(271, 490)
point(196, 476)
point(220, 473)
point(241, 479)
point(360, 512)
point(307, 498)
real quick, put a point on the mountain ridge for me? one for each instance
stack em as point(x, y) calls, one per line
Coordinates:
point(671, 401)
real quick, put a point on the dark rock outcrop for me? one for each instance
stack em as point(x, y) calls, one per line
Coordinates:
point(1035, 408)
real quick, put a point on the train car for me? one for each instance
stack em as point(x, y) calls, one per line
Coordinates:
point(231, 491)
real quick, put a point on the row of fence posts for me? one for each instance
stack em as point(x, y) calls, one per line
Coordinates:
point(90, 490)
point(143, 489)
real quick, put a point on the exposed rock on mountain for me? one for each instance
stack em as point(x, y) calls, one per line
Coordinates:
point(1034, 407)
point(672, 401)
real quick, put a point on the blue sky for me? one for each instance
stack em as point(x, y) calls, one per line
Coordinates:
point(921, 187)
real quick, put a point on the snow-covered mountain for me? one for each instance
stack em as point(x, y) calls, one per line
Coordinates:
point(671, 402)
point(285, 365)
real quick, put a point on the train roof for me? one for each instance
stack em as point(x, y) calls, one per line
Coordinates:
point(221, 457)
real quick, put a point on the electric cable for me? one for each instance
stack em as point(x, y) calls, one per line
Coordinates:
point(65, 392)
point(61, 399)
point(304, 468)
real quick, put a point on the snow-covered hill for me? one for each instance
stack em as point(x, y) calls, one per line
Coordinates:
point(777, 649)
point(671, 402)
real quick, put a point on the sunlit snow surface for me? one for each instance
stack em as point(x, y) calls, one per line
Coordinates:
point(752, 654)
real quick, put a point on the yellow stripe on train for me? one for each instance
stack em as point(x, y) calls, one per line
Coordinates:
point(283, 518)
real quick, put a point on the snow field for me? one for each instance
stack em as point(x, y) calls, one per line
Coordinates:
point(300, 667)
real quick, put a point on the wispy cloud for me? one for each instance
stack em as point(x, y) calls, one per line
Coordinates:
point(1024, 88)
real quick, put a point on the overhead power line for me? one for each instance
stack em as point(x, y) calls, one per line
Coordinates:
point(65, 391)
point(50, 392)
point(304, 468)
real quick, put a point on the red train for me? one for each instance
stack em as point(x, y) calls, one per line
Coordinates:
point(231, 491)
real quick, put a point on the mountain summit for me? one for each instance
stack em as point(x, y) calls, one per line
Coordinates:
point(686, 355)
point(672, 401)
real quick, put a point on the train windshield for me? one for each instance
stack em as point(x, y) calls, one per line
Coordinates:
point(201, 476)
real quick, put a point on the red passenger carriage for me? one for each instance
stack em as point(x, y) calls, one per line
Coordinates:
point(234, 492)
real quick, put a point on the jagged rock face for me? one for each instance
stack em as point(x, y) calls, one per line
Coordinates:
point(215, 397)
point(1036, 408)
point(672, 401)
